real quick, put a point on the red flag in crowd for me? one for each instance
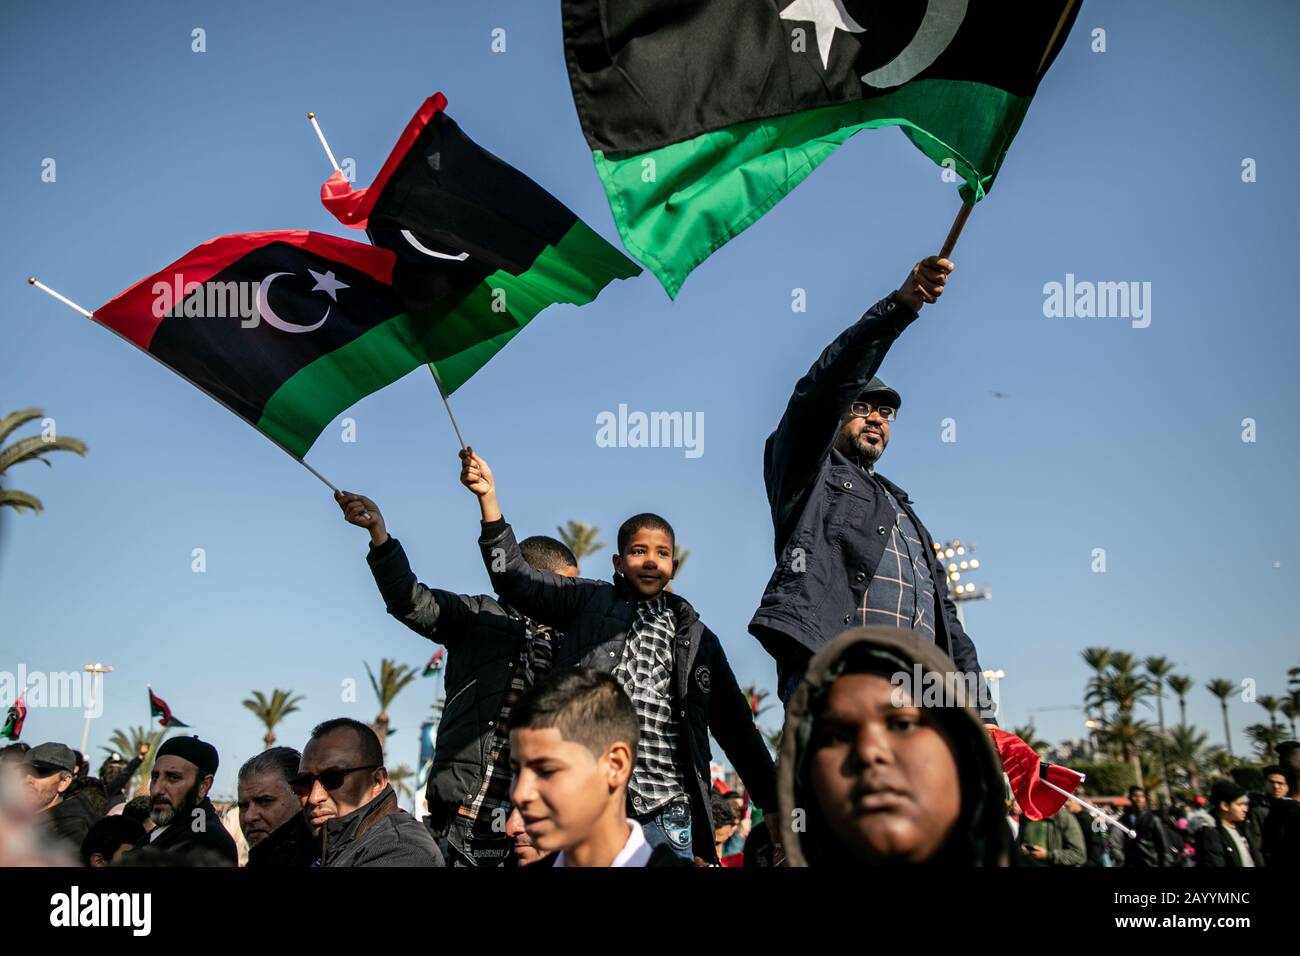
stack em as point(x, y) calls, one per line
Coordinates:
point(1027, 771)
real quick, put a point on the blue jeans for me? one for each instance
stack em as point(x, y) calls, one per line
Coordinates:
point(670, 826)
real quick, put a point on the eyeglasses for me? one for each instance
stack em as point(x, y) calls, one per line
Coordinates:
point(330, 779)
point(864, 410)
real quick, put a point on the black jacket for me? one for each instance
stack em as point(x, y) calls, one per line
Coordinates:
point(1215, 847)
point(183, 834)
point(67, 822)
point(596, 619)
point(1151, 845)
point(831, 523)
point(289, 846)
point(484, 640)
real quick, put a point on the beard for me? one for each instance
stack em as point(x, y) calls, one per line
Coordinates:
point(164, 814)
point(869, 453)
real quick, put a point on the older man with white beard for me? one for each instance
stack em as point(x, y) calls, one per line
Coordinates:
point(184, 818)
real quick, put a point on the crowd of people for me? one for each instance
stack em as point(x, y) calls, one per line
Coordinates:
point(579, 712)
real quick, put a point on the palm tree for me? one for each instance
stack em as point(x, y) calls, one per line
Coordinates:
point(679, 558)
point(1159, 668)
point(1223, 688)
point(1270, 704)
point(1188, 752)
point(1097, 658)
point(128, 743)
point(1291, 709)
point(398, 777)
point(270, 711)
point(1265, 738)
point(32, 448)
point(773, 738)
point(581, 539)
point(1029, 734)
point(1128, 735)
point(1293, 677)
point(1181, 685)
point(393, 679)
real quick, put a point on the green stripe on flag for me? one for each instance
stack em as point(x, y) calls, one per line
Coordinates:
point(458, 339)
point(574, 272)
point(700, 193)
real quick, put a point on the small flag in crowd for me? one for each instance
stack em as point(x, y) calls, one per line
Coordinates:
point(702, 116)
point(13, 727)
point(158, 708)
point(435, 662)
point(286, 329)
point(475, 238)
point(1027, 771)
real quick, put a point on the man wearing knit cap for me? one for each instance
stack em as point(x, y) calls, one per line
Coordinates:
point(850, 549)
point(185, 820)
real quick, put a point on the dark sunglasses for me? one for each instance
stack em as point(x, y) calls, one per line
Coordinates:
point(330, 779)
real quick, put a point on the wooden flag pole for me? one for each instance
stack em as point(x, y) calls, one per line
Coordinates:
point(957, 225)
point(76, 308)
point(441, 391)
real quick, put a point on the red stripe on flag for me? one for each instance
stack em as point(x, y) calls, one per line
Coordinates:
point(131, 313)
point(352, 207)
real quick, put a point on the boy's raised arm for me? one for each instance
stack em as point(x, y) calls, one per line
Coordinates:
point(544, 596)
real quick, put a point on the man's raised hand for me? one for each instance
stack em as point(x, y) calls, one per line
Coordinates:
point(925, 282)
point(364, 513)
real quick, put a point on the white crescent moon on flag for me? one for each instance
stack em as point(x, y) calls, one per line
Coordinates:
point(409, 237)
point(942, 20)
point(268, 314)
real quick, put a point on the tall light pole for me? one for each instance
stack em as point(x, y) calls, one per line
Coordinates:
point(97, 672)
point(956, 559)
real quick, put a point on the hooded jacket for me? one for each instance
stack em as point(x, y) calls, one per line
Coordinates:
point(981, 836)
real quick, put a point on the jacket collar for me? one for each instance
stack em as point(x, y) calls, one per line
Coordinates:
point(345, 829)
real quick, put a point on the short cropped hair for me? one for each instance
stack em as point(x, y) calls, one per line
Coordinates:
point(640, 523)
point(586, 706)
point(547, 554)
point(1273, 770)
point(371, 751)
point(108, 835)
point(1225, 791)
point(282, 760)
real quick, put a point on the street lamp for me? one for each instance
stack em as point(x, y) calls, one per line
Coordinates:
point(97, 672)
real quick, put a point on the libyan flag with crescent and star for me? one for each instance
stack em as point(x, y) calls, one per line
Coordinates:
point(459, 219)
point(289, 329)
point(703, 114)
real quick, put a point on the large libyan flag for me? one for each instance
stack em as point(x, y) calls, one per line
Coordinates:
point(459, 218)
point(703, 114)
point(289, 329)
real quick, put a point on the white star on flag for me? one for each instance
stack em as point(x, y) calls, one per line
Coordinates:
point(826, 16)
point(327, 283)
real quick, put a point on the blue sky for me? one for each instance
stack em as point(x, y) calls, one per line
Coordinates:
point(1128, 168)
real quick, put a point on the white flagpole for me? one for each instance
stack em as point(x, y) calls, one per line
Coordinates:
point(31, 280)
point(441, 391)
point(1097, 810)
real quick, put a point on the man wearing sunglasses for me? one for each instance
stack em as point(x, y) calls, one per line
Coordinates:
point(850, 549)
point(352, 806)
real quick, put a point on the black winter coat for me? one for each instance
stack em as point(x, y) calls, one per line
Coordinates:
point(831, 522)
point(1216, 848)
point(484, 640)
point(596, 619)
